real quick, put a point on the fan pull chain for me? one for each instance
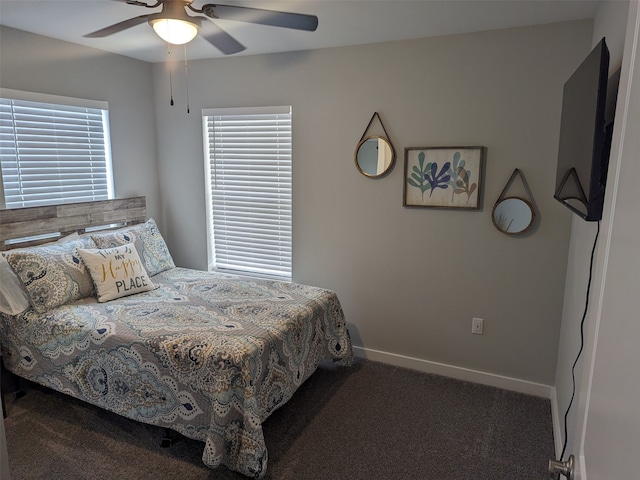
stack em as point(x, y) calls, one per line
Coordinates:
point(186, 75)
point(170, 69)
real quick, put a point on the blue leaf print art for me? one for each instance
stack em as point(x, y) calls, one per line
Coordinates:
point(419, 174)
point(441, 180)
point(451, 176)
point(456, 168)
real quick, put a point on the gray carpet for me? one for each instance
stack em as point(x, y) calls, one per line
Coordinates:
point(369, 421)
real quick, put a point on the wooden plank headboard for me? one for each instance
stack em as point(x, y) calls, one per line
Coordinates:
point(67, 218)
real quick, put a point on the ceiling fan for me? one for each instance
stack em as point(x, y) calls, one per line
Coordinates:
point(174, 24)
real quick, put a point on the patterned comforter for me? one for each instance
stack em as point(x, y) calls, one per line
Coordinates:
point(208, 355)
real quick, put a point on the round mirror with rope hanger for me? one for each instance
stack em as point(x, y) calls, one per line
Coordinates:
point(375, 155)
point(513, 215)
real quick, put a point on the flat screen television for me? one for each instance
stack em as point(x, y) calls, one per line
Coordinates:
point(585, 135)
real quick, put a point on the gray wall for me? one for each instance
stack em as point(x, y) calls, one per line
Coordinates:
point(39, 64)
point(410, 280)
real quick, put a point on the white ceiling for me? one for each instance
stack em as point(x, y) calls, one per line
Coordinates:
point(340, 22)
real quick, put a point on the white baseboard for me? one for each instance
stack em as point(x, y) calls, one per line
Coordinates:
point(557, 427)
point(475, 376)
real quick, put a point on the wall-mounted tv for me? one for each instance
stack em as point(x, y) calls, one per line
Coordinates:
point(585, 135)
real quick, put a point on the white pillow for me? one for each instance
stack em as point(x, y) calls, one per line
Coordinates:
point(14, 298)
point(116, 272)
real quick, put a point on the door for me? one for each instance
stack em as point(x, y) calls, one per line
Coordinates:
point(610, 425)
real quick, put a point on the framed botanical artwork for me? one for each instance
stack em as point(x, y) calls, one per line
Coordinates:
point(445, 177)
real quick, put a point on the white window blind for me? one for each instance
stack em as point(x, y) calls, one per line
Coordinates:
point(53, 153)
point(248, 165)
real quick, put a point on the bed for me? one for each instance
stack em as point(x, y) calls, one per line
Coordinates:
point(208, 355)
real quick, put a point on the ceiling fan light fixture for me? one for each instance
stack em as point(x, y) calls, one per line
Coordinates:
point(175, 31)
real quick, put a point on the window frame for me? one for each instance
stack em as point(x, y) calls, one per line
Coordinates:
point(283, 271)
point(63, 101)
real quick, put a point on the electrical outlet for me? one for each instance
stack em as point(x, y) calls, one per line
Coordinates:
point(477, 324)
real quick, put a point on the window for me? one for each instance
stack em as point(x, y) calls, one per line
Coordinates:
point(53, 150)
point(248, 166)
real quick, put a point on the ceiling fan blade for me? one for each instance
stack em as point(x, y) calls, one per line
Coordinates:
point(220, 39)
point(117, 27)
point(298, 21)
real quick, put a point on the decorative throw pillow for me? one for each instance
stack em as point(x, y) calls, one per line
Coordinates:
point(148, 241)
point(53, 274)
point(116, 272)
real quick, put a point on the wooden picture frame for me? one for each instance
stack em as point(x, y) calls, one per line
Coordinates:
point(443, 177)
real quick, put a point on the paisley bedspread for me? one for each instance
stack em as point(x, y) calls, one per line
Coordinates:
point(208, 355)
